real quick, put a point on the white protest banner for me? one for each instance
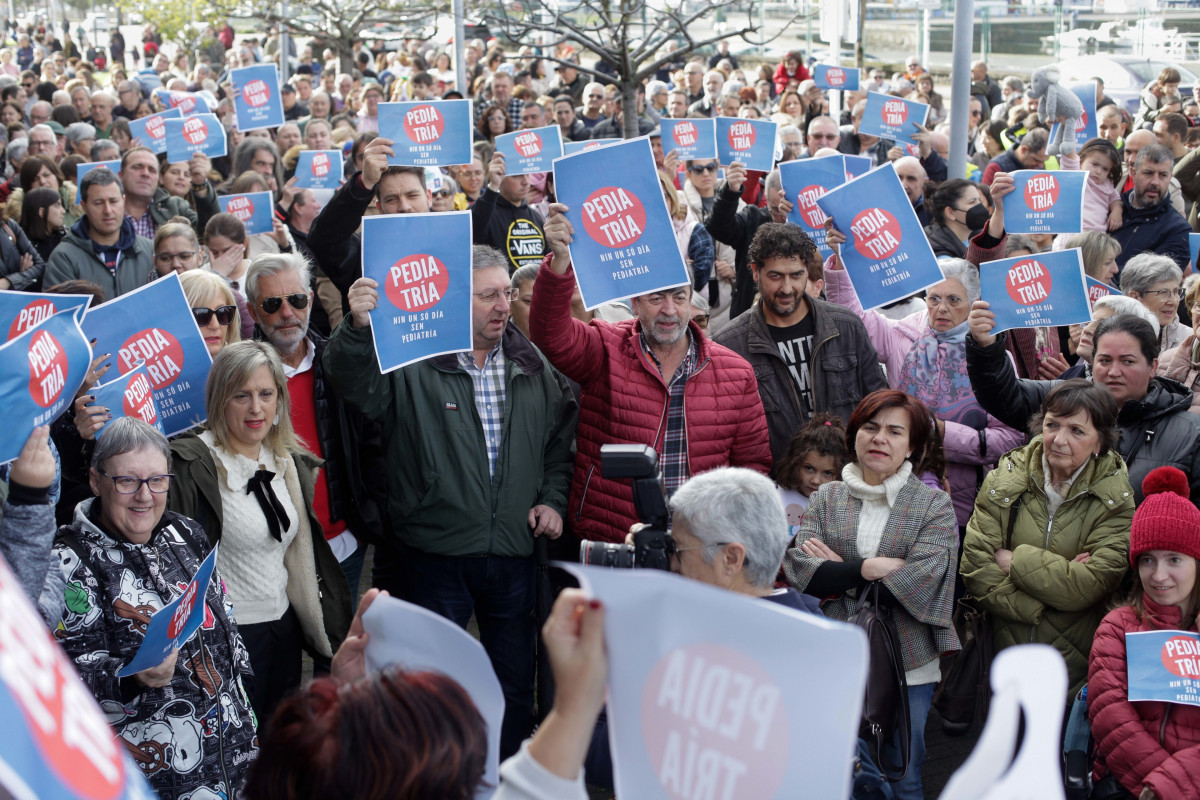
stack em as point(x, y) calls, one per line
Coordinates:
point(719, 695)
point(414, 638)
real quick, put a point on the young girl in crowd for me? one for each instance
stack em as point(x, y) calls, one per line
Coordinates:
point(815, 456)
point(1102, 206)
point(1149, 749)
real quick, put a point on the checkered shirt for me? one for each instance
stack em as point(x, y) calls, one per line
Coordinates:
point(674, 460)
point(144, 225)
point(489, 397)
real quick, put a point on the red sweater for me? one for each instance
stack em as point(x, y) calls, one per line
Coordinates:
point(625, 401)
point(1127, 734)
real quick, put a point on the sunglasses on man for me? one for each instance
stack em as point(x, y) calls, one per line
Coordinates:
point(273, 304)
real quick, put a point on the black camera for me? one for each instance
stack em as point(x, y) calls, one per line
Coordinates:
point(652, 545)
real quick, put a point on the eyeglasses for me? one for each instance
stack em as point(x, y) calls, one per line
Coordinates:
point(713, 167)
point(127, 484)
point(443, 193)
point(169, 258)
point(1163, 294)
point(829, 136)
point(492, 295)
point(674, 550)
point(204, 315)
point(297, 301)
point(935, 300)
point(701, 320)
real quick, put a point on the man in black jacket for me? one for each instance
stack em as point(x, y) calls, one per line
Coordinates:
point(808, 355)
point(736, 228)
point(396, 190)
point(1150, 223)
point(501, 217)
point(351, 487)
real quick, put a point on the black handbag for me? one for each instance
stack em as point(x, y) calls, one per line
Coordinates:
point(885, 707)
point(965, 692)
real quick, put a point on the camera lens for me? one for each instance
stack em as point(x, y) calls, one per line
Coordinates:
point(606, 554)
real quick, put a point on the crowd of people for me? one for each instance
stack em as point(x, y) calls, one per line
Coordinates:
point(808, 447)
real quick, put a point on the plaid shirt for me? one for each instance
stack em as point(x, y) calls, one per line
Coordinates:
point(144, 225)
point(489, 397)
point(674, 461)
point(515, 107)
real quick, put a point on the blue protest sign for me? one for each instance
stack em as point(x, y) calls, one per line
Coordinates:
point(200, 133)
point(422, 263)
point(891, 117)
point(1097, 289)
point(827, 76)
point(886, 255)
point(83, 169)
point(23, 311)
point(624, 240)
point(804, 182)
point(151, 131)
point(571, 148)
point(130, 395)
point(319, 169)
point(256, 210)
point(427, 134)
point(1086, 128)
point(174, 623)
point(154, 323)
point(57, 744)
point(1046, 289)
point(691, 139)
point(530, 151)
point(857, 166)
point(750, 141)
point(1164, 666)
point(1045, 202)
point(1194, 248)
point(187, 102)
point(40, 371)
point(256, 97)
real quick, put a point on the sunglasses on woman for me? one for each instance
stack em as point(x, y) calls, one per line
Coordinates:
point(297, 301)
point(205, 315)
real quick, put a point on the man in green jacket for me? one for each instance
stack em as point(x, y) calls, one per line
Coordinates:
point(481, 448)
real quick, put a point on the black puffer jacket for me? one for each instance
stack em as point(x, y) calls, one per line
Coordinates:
point(1156, 431)
point(178, 733)
point(735, 228)
point(944, 242)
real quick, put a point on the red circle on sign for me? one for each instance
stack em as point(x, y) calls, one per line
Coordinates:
point(894, 112)
point(156, 128)
point(423, 124)
point(835, 76)
point(528, 144)
point(1028, 283)
point(139, 400)
point(159, 349)
point(47, 369)
point(806, 201)
point(195, 131)
point(241, 207)
point(614, 217)
point(1041, 192)
point(184, 102)
point(741, 136)
point(1182, 648)
point(257, 93)
point(876, 233)
point(1083, 121)
point(320, 165)
point(685, 134)
point(417, 282)
point(30, 317)
point(182, 612)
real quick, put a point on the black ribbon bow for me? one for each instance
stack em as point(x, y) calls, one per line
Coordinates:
point(277, 518)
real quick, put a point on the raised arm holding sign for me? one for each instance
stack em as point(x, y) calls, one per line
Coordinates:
point(427, 134)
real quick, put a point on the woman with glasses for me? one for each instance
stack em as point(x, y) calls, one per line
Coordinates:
point(215, 308)
point(445, 198)
point(249, 482)
point(1154, 281)
point(925, 354)
point(492, 122)
point(1182, 363)
point(124, 557)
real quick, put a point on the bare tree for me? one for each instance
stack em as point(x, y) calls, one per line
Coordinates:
point(338, 24)
point(627, 35)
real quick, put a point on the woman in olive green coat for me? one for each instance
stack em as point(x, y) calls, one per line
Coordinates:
point(1048, 542)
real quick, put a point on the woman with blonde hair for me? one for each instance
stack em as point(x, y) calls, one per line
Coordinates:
point(695, 242)
point(214, 305)
point(249, 481)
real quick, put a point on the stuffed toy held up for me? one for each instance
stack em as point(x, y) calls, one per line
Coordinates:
point(1056, 104)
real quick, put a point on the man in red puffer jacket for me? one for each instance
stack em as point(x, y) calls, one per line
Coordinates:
point(653, 380)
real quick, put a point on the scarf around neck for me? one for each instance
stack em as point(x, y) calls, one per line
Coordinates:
point(935, 372)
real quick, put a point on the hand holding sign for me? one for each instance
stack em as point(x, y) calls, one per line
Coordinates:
point(160, 676)
point(36, 466)
point(559, 235)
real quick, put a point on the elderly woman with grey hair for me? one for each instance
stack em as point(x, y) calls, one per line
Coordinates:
point(80, 138)
point(123, 558)
point(925, 355)
point(1155, 281)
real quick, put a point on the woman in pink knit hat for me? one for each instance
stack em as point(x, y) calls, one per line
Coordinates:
point(1149, 749)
